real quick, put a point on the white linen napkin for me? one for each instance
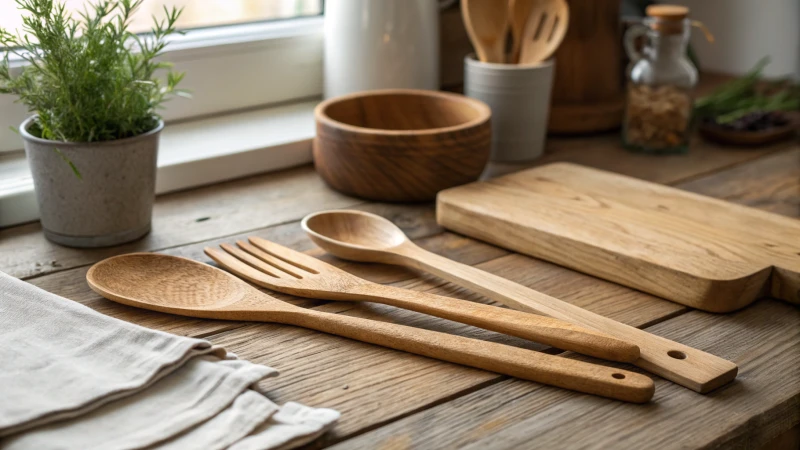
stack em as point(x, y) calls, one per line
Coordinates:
point(72, 378)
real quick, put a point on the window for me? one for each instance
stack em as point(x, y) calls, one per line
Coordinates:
point(197, 13)
point(236, 53)
point(255, 71)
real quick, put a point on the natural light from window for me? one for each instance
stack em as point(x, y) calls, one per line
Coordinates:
point(196, 14)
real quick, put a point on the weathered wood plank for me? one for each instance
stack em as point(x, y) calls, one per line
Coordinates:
point(771, 183)
point(764, 401)
point(506, 410)
point(185, 217)
point(604, 152)
point(266, 200)
point(384, 370)
point(385, 384)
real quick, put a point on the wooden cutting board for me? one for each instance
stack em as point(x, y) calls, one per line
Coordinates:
point(688, 248)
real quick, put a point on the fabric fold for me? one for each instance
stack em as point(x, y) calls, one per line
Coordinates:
point(72, 378)
point(250, 410)
point(292, 426)
point(193, 394)
point(60, 359)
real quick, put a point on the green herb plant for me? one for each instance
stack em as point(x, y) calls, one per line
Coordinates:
point(748, 94)
point(86, 76)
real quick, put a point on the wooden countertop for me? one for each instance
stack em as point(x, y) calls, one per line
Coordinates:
point(394, 400)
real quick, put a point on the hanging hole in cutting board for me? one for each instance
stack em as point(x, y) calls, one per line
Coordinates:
point(676, 354)
point(618, 376)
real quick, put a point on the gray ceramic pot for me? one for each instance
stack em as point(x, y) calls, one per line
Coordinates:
point(111, 204)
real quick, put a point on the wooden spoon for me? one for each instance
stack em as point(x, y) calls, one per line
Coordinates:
point(545, 26)
point(518, 12)
point(181, 286)
point(361, 236)
point(486, 22)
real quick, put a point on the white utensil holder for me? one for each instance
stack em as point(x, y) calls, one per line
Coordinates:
point(519, 96)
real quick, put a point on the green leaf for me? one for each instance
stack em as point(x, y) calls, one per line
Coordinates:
point(743, 95)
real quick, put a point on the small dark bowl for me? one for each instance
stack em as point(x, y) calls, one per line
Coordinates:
point(401, 145)
point(747, 138)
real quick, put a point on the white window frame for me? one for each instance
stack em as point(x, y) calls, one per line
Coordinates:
point(227, 68)
point(254, 87)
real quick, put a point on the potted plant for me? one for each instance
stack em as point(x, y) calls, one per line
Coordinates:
point(94, 88)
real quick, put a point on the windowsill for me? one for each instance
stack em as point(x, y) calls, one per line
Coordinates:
point(192, 154)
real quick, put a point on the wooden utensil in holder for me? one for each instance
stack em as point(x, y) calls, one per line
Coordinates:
point(487, 24)
point(546, 24)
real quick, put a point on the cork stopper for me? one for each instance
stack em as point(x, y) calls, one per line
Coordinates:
point(668, 18)
point(667, 12)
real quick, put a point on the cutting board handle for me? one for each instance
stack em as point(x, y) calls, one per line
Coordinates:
point(695, 369)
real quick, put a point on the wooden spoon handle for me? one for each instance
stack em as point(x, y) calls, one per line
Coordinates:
point(697, 370)
point(546, 330)
point(516, 362)
point(518, 15)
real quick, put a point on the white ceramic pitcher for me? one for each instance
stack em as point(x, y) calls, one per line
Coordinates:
point(380, 44)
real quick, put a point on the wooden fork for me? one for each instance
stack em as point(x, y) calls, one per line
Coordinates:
point(276, 267)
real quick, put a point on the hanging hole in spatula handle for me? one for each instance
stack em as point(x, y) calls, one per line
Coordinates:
point(698, 370)
point(676, 354)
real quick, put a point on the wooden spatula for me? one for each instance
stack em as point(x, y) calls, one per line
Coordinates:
point(282, 269)
point(181, 286)
point(545, 27)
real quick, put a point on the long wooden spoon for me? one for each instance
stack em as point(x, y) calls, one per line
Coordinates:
point(518, 12)
point(361, 236)
point(181, 286)
point(282, 269)
point(486, 22)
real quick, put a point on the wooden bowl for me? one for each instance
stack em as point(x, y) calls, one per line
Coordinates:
point(401, 145)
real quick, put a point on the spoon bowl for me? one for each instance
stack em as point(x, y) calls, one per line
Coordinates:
point(486, 22)
point(355, 235)
point(168, 284)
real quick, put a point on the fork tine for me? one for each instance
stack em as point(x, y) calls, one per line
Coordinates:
point(251, 260)
point(293, 257)
point(240, 269)
point(264, 260)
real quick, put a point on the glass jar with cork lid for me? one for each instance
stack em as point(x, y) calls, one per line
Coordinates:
point(661, 81)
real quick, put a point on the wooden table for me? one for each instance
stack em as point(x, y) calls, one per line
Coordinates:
point(394, 400)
